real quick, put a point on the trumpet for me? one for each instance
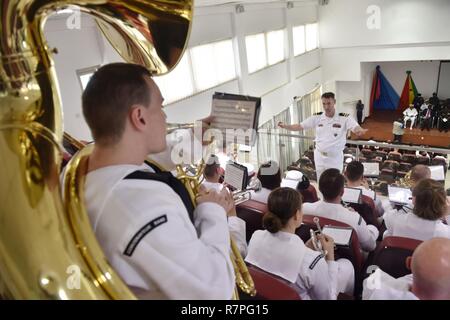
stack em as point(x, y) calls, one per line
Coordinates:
point(244, 195)
point(315, 242)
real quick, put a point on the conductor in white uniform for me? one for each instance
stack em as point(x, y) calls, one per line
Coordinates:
point(144, 226)
point(331, 134)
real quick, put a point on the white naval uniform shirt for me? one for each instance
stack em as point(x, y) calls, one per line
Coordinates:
point(236, 224)
point(367, 234)
point(382, 286)
point(147, 236)
point(408, 225)
point(285, 255)
point(331, 133)
point(261, 195)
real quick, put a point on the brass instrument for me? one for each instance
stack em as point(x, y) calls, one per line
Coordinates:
point(244, 195)
point(405, 182)
point(243, 278)
point(47, 248)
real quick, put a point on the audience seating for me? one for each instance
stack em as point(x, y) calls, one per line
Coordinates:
point(270, 287)
point(390, 255)
point(423, 160)
point(410, 158)
point(394, 156)
point(251, 212)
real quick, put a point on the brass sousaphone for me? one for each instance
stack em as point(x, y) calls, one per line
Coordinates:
point(47, 248)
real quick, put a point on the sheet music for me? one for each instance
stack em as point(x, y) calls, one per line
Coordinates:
point(370, 193)
point(235, 114)
point(437, 173)
point(371, 169)
point(351, 195)
point(340, 235)
point(399, 195)
point(234, 176)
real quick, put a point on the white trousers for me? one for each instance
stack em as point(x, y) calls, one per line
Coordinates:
point(346, 276)
point(412, 119)
point(324, 162)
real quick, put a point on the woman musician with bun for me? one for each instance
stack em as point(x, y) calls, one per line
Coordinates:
point(278, 250)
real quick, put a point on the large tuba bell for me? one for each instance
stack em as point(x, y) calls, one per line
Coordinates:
point(46, 249)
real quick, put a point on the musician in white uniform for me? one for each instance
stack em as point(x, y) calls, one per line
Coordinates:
point(331, 134)
point(150, 233)
point(430, 278)
point(278, 250)
point(211, 174)
point(331, 185)
point(410, 114)
point(425, 221)
point(270, 177)
point(354, 174)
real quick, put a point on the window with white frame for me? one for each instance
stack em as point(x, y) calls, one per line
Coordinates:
point(275, 46)
point(177, 84)
point(84, 75)
point(312, 39)
point(298, 36)
point(213, 64)
point(256, 52)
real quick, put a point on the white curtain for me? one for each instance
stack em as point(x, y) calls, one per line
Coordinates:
point(266, 143)
point(306, 106)
point(285, 150)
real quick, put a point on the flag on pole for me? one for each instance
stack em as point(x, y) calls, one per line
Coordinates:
point(409, 92)
point(383, 95)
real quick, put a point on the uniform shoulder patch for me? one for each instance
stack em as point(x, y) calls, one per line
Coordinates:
point(318, 113)
point(131, 246)
point(315, 261)
point(342, 114)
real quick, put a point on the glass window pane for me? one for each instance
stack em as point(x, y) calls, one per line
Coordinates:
point(177, 84)
point(298, 35)
point(224, 61)
point(203, 66)
point(311, 36)
point(256, 52)
point(275, 46)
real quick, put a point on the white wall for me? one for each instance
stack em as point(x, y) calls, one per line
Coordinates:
point(276, 85)
point(410, 31)
point(77, 49)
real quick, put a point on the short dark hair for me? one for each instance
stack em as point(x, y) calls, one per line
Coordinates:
point(212, 164)
point(271, 180)
point(282, 205)
point(108, 96)
point(328, 95)
point(331, 183)
point(431, 200)
point(354, 170)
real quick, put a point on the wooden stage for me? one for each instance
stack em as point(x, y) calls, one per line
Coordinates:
point(380, 129)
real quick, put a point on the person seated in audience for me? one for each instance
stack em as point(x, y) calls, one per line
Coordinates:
point(410, 114)
point(422, 153)
point(426, 219)
point(331, 185)
point(429, 278)
point(270, 177)
point(395, 152)
point(278, 250)
point(212, 174)
point(354, 173)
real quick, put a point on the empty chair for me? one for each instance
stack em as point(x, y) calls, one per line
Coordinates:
point(410, 158)
point(367, 153)
point(405, 166)
point(391, 254)
point(270, 287)
point(394, 156)
point(251, 212)
point(423, 160)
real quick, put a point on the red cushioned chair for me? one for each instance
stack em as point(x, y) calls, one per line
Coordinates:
point(310, 194)
point(251, 212)
point(353, 253)
point(270, 287)
point(390, 256)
